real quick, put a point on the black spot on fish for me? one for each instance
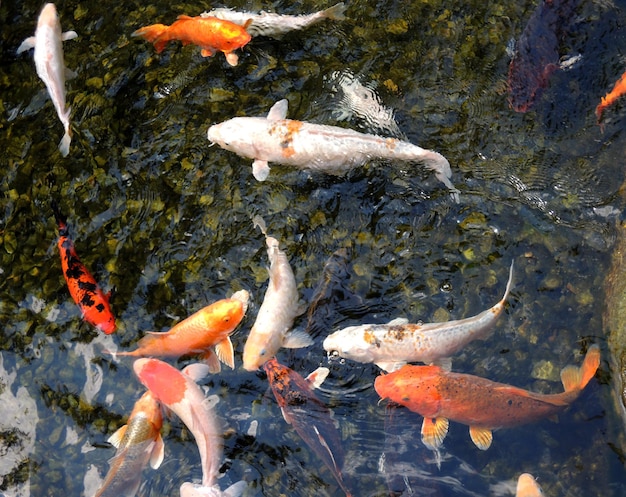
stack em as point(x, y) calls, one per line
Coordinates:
point(87, 286)
point(100, 307)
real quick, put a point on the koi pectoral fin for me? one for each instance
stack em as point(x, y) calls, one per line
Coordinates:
point(158, 451)
point(482, 437)
point(225, 353)
point(260, 170)
point(434, 431)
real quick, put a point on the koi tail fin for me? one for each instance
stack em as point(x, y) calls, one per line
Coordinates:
point(574, 378)
point(60, 219)
point(64, 144)
point(153, 34)
point(336, 12)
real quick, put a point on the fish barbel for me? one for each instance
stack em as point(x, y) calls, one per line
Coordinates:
point(482, 404)
point(48, 45)
point(392, 345)
point(276, 25)
point(328, 149)
point(280, 307)
point(137, 442)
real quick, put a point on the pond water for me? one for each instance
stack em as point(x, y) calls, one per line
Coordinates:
point(166, 221)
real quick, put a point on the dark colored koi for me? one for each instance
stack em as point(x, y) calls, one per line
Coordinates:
point(307, 414)
point(537, 52)
point(93, 302)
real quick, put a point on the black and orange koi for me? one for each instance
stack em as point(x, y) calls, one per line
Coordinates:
point(93, 302)
point(307, 414)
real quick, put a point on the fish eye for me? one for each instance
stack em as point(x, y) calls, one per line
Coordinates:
point(262, 352)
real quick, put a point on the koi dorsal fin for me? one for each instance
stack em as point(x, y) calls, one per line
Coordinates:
point(278, 110)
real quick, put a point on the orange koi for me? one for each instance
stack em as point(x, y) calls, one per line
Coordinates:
point(307, 414)
point(209, 33)
point(93, 302)
point(527, 486)
point(204, 330)
point(137, 442)
point(618, 90)
point(482, 404)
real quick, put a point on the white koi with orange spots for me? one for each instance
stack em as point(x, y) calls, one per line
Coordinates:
point(329, 149)
point(392, 345)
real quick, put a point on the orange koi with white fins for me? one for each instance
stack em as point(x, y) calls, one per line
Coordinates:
point(610, 98)
point(209, 33)
point(179, 392)
point(307, 414)
point(276, 25)
point(137, 442)
point(392, 345)
point(328, 149)
point(482, 404)
point(204, 330)
point(93, 302)
point(527, 486)
point(271, 329)
point(48, 45)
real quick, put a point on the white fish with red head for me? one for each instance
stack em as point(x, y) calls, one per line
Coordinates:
point(179, 392)
point(276, 25)
point(48, 46)
point(328, 149)
point(392, 345)
point(280, 307)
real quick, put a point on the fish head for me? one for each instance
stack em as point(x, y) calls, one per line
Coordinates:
point(356, 343)
point(48, 16)
point(259, 348)
point(108, 326)
point(231, 36)
point(527, 486)
point(415, 387)
point(148, 406)
point(166, 382)
point(223, 315)
point(239, 135)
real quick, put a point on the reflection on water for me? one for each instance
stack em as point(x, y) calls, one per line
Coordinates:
point(164, 221)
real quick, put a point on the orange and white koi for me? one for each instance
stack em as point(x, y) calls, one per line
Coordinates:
point(209, 33)
point(93, 302)
point(307, 414)
point(527, 486)
point(48, 45)
point(179, 392)
point(482, 404)
point(610, 98)
point(328, 149)
point(137, 442)
point(392, 345)
point(271, 329)
point(276, 25)
point(204, 330)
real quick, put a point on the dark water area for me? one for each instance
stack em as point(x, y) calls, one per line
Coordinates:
point(165, 220)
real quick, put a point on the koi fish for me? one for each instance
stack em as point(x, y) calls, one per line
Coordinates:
point(179, 392)
point(276, 25)
point(199, 333)
point(392, 345)
point(618, 90)
point(209, 33)
point(137, 442)
point(482, 404)
point(527, 486)
point(48, 46)
point(271, 329)
point(328, 149)
point(537, 52)
point(307, 414)
point(93, 302)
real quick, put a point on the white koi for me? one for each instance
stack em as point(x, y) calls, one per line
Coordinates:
point(280, 307)
point(48, 46)
point(276, 25)
point(328, 149)
point(392, 345)
point(180, 393)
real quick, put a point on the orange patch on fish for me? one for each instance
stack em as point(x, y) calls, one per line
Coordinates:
point(618, 90)
point(163, 380)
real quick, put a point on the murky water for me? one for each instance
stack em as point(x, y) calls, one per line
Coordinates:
point(165, 220)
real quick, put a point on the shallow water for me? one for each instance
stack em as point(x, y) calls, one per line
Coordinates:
point(165, 220)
